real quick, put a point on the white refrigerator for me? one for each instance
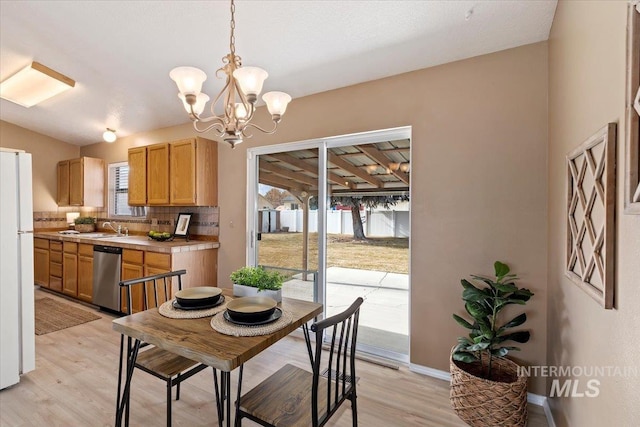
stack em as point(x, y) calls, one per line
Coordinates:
point(17, 317)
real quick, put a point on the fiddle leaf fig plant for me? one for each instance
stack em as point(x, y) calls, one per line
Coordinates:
point(484, 304)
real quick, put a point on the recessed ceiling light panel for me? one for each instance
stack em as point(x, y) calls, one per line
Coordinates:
point(34, 84)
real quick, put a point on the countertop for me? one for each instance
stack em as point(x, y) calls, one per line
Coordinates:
point(141, 243)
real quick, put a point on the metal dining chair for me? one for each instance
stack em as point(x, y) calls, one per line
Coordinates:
point(296, 397)
point(142, 294)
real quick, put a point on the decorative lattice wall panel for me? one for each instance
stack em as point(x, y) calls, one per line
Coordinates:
point(632, 137)
point(591, 193)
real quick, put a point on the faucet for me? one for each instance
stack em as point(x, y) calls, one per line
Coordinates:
point(108, 224)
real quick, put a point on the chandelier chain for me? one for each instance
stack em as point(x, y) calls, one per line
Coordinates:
point(232, 40)
point(237, 98)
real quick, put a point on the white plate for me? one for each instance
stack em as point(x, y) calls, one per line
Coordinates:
point(199, 292)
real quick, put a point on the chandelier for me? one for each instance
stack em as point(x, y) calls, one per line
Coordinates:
point(237, 98)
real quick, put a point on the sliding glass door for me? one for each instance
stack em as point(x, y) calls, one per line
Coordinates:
point(333, 215)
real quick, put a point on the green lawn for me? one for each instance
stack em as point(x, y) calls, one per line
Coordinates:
point(376, 253)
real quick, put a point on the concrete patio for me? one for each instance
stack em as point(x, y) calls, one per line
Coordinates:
point(384, 316)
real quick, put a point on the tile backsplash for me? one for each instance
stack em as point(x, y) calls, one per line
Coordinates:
point(204, 221)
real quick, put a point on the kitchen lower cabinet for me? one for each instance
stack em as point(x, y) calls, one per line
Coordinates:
point(70, 269)
point(157, 263)
point(41, 262)
point(85, 272)
point(55, 266)
point(132, 268)
point(67, 266)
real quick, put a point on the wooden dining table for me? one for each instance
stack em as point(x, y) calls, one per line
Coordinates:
point(198, 341)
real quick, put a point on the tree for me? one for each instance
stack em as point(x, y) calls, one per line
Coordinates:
point(355, 202)
point(275, 196)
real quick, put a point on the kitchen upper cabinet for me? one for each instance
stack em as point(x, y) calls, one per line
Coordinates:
point(183, 172)
point(158, 174)
point(178, 173)
point(137, 176)
point(63, 183)
point(194, 172)
point(81, 182)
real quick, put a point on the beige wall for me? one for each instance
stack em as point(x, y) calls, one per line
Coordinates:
point(46, 153)
point(117, 151)
point(586, 91)
point(479, 153)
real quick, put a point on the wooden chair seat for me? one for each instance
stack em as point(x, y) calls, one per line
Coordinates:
point(293, 397)
point(163, 363)
point(151, 291)
point(284, 399)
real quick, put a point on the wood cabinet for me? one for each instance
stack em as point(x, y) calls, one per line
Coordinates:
point(85, 272)
point(158, 263)
point(137, 160)
point(194, 172)
point(41, 262)
point(63, 183)
point(81, 182)
point(70, 269)
point(158, 174)
point(55, 266)
point(178, 173)
point(67, 267)
point(132, 268)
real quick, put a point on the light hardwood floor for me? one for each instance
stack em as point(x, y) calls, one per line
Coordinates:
point(75, 380)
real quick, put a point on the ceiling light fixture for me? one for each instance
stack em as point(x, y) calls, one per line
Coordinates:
point(109, 135)
point(34, 84)
point(237, 98)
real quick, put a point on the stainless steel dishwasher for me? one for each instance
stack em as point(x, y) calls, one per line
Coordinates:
point(106, 276)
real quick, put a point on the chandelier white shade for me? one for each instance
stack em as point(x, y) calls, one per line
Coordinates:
point(237, 99)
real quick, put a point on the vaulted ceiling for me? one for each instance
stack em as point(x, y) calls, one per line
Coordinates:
point(120, 52)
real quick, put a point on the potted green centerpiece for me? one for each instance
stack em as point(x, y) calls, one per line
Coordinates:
point(251, 281)
point(85, 224)
point(486, 389)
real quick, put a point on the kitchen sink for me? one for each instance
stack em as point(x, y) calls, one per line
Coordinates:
point(102, 236)
point(94, 235)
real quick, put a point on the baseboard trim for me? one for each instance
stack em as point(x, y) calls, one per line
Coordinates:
point(430, 372)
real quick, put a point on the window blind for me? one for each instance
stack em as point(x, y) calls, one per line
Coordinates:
point(121, 191)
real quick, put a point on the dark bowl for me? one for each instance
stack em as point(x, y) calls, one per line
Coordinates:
point(160, 238)
point(251, 309)
point(198, 296)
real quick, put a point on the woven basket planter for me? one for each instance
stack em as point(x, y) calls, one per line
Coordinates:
point(486, 403)
point(85, 228)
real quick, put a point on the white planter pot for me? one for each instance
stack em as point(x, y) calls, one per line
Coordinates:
point(248, 291)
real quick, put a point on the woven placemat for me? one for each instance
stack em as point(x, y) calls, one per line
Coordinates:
point(220, 324)
point(168, 310)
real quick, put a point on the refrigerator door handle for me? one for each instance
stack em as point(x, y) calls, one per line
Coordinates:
point(24, 232)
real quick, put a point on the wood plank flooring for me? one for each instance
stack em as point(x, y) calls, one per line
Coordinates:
point(75, 382)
